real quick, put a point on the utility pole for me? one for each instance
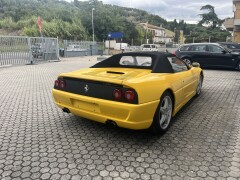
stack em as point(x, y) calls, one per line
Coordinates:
point(146, 32)
point(92, 24)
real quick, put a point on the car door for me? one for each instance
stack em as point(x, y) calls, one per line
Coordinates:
point(182, 70)
point(200, 54)
point(219, 57)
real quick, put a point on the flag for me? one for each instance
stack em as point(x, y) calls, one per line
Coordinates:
point(39, 24)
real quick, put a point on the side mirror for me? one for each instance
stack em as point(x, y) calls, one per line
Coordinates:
point(195, 64)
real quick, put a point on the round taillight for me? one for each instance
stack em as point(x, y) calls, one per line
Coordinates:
point(117, 94)
point(62, 84)
point(57, 83)
point(129, 95)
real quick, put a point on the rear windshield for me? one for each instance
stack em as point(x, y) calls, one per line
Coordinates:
point(136, 61)
point(232, 46)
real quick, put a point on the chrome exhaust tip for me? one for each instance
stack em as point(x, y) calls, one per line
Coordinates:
point(111, 123)
point(66, 110)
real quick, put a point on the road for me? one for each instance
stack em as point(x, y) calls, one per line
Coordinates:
point(39, 141)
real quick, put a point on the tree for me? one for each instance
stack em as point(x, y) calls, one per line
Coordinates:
point(202, 34)
point(210, 18)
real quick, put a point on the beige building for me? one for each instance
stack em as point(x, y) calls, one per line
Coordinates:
point(236, 23)
point(160, 35)
point(233, 24)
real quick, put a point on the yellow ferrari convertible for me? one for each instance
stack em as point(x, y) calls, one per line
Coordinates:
point(135, 90)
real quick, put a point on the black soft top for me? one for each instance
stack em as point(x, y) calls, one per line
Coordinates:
point(160, 63)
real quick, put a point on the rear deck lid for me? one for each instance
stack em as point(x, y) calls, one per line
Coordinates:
point(110, 75)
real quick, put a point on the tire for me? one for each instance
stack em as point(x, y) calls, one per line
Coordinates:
point(163, 114)
point(199, 86)
point(238, 66)
point(187, 61)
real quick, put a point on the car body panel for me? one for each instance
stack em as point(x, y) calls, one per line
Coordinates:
point(221, 60)
point(125, 115)
point(148, 86)
point(113, 75)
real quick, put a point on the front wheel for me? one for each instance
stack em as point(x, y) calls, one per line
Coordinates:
point(199, 86)
point(163, 114)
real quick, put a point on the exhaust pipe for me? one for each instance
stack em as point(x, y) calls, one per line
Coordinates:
point(111, 123)
point(66, 110)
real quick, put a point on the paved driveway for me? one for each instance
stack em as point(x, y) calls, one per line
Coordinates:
point(39, 141)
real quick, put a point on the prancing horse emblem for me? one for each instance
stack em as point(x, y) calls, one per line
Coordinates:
point(86, 88)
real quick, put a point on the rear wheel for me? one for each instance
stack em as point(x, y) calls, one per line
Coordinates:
point(187, 61)
point(163, 114)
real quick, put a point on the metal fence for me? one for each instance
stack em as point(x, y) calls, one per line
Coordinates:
point(44, 49)
point(81, 48)
point(27, 50)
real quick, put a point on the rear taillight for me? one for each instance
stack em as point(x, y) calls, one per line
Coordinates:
point(57, 83)
point(174, 53)
point(129, 95)
point(124, 95)
point(117, 94)
point(60, 83)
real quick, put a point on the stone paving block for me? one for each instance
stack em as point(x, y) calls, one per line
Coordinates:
point(39, 141)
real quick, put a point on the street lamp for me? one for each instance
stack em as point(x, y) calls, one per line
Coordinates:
point(92, 24)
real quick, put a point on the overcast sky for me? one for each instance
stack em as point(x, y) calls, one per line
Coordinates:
point(188, 10)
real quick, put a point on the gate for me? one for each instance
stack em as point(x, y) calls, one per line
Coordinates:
point(16, 50)
point(44, 49)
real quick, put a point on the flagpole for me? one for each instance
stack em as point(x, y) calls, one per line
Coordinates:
point(40, 29)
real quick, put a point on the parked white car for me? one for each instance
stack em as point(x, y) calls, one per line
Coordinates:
point(149, 47)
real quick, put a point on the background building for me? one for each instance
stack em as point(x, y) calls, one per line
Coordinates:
point(236, 23)
point(233, 24)
point(160, 35)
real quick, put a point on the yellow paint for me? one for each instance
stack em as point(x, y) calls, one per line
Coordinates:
point(149, 87)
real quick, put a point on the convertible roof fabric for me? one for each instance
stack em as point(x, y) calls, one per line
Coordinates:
point(160, 63)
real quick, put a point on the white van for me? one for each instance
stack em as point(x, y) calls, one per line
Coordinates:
point(149, 47)
point(121, 46)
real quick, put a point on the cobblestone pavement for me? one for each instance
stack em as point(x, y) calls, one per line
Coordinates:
point(39, 141)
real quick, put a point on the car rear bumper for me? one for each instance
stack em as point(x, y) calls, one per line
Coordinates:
point(131, 116)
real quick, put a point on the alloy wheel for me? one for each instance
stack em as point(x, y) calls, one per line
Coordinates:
point(187, 61)
point(199, 86)
point(165, 113)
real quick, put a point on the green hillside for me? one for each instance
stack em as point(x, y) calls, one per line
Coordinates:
point(73, 20)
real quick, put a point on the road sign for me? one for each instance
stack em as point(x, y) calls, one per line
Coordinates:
point(115, 35)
